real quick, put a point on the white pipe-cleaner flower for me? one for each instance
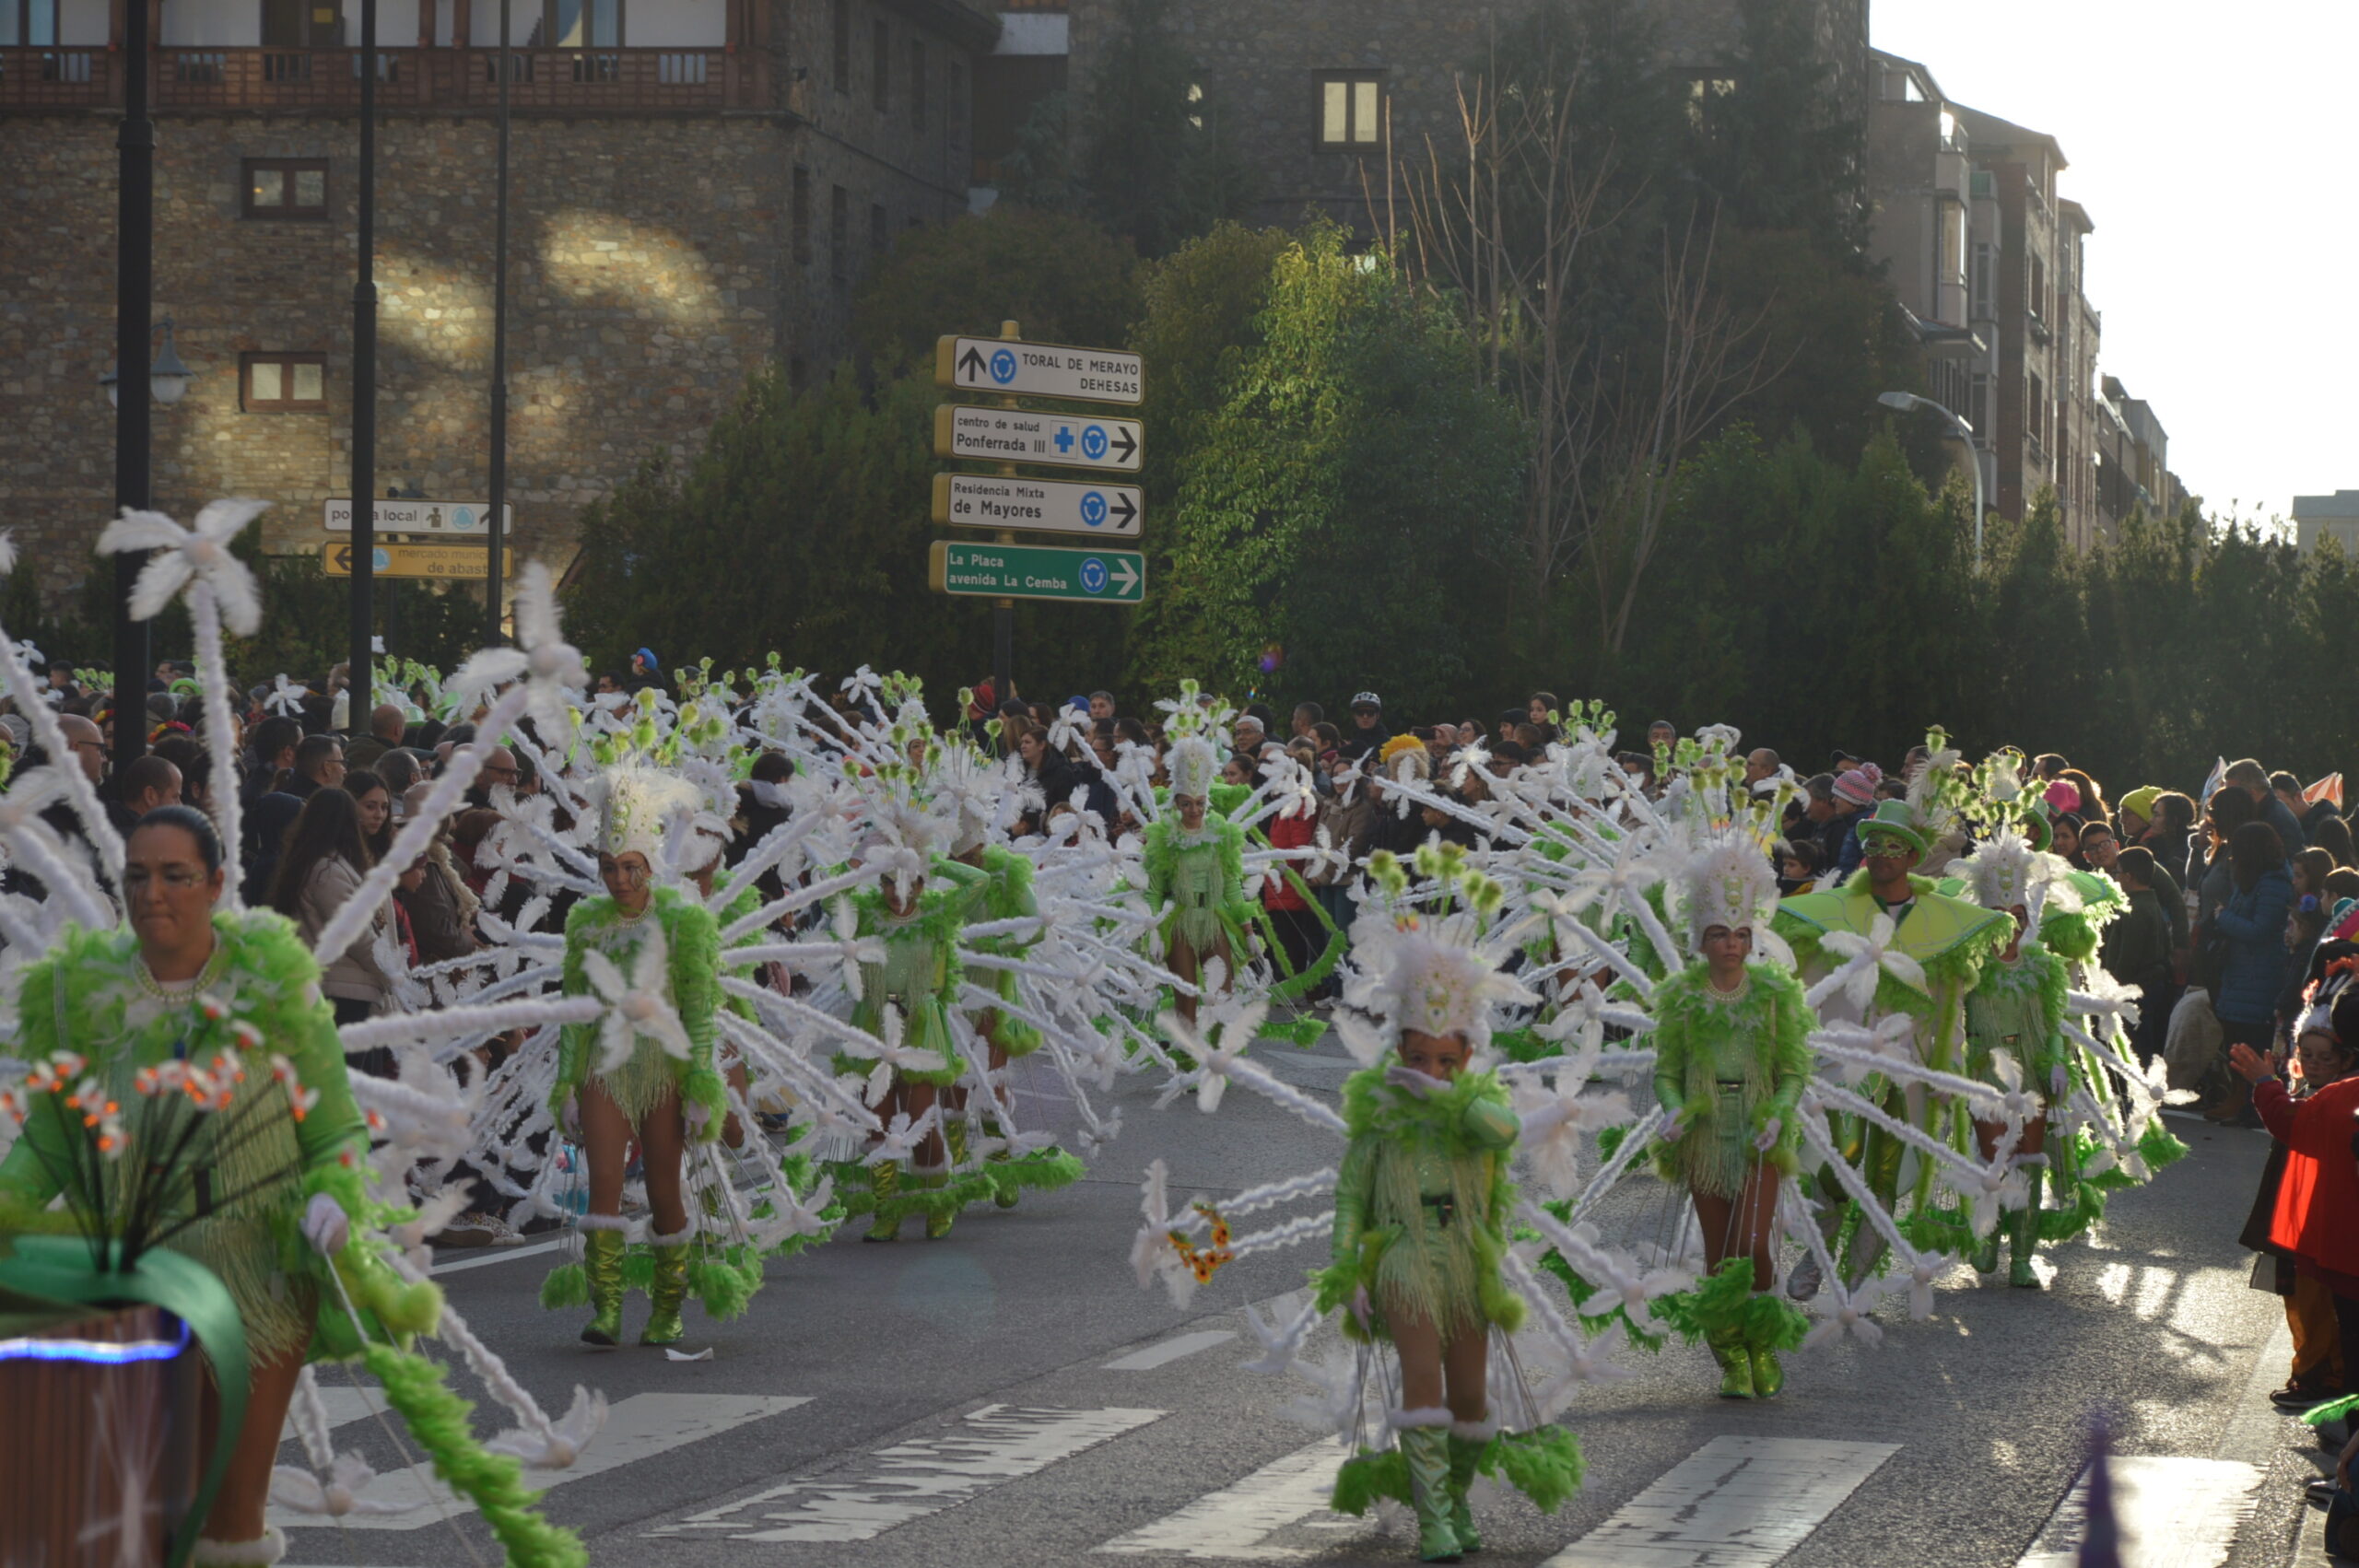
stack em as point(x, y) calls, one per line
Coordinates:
point(1866, 960)
point(638, 1006)
point(182, 554)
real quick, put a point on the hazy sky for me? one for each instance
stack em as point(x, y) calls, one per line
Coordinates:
point(2212, 146)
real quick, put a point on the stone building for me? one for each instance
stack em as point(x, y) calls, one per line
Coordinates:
point(1308, 90)
point(697, 187)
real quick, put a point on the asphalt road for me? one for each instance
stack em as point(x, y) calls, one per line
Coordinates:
point(1008, 1396)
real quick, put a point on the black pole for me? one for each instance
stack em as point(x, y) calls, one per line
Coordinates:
point(1002, 649)
point(133, 415)
point(361, 689)
point(492, 634)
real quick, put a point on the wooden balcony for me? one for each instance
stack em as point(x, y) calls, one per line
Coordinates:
point(626, 81)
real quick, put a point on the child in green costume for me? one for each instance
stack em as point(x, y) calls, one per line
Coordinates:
point(1731, 1056)
point(1423, 1211)
point(1195, 876)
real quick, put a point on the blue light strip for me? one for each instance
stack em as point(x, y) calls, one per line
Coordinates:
point(101, 1352)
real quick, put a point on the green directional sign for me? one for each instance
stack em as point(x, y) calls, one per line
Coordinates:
point(1033, 571)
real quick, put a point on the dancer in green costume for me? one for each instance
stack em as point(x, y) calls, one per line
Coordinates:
point(646, 1072)
point(1731, 1056)
point(1195, 871)
point(1941, 943)
point(176, 986)
point(1422, 1212)
point(2017, 1008)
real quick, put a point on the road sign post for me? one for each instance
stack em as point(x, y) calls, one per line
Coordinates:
point(1038, 370)
point(1038, 571)
point(456, 562)
point(1051, 505)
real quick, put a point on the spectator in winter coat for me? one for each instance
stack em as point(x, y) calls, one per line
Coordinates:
point(2138, 947)
point(2252, 925)
point(321, 869)
point(2253, 779)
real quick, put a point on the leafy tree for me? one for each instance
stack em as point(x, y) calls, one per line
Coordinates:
point(1153, 160)
point(1341, 501)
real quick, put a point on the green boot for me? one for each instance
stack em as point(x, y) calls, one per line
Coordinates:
point(885, 1184)
point(937, 1221)
point(666, 1291)
point(2024, 1240)
point(1465, 1453)
point(602, 1270)
point(1767, 1376)
point(1986, 1251)
point(1736, 1366)
point(1426, 1450)
point(1004, 1194)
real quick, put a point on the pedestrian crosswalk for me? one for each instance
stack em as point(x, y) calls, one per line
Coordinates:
point(1734, 1501)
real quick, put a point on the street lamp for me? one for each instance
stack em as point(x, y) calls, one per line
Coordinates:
point(168, 378)
point(1909, 403)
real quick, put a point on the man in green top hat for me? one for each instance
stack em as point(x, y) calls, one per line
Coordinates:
point(1882, 911)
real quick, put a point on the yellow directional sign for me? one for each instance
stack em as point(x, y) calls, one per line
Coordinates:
point(466, 561)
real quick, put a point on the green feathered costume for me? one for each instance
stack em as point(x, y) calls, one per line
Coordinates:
point(1201, 876)
point(1728, 1064)
point(92, 994)
point(920, 973)
point(692, 976)
point(1423, 1209)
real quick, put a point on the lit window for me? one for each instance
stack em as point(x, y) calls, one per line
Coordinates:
point(277, 383)
point(1350, 110)
point(284, 189)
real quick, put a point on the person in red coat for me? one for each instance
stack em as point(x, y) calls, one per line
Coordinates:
point(1297, 827)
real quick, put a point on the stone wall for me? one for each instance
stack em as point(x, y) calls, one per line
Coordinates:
point(654, 268)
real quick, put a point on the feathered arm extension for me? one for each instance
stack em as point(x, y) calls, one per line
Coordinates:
point(1257, 1078)
point(497, 1018)
point(51, 740)
point(695, 963)
point(204, 613)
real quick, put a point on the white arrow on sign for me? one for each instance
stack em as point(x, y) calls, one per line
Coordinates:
point(1126, 575)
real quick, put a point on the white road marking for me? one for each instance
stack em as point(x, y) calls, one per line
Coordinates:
point(639, 1427)
point(1236, 1522)
point(1171, 1349)
point(909, 1480)
point(483, 1258)
point(1735, 1502)
point(2173, 1513)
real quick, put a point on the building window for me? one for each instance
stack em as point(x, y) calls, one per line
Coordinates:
point(579, 24)
point(1350, 108)
point(290, 190)
point(841, 15)
point(917, 83)
point(31, 23)
point(880, 61)
point(298, 24)
point(281, 383)
point(801, 217)
point(1986, 273)
point(1978, 402)
point(880, 233)
point(2036, 410)
point(838, 231)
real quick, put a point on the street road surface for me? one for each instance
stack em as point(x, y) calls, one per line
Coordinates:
point(1008, 1398)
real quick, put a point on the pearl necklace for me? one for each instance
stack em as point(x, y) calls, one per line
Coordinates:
point(174, 992)
point(1729, 998)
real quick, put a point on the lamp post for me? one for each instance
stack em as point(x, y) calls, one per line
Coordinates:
point(1909, 403)
point(134, 283)
point(492, 633)
point(168, 380)
point(359, 683)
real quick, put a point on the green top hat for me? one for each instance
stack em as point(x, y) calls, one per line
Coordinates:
point(1892, 819)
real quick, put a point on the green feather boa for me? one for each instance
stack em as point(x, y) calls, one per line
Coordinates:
point(494, 1482)
point(1544, 1464)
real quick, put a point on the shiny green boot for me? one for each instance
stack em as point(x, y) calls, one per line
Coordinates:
point(1986, 1251)
point(666, 1291)
point(1767, 1376)
point(1736, 1366)
point(2023, 1241)
point(1426, 1450)
point(885, 1184)
point(937, 1221)
point(601, 1272)
point(1465, 1453)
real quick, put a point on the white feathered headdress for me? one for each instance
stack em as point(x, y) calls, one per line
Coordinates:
point(636, 806)
point(1193, 768)
point(1421, 977)
point(1728, 882)
point(903, 837)
point(2006, 872)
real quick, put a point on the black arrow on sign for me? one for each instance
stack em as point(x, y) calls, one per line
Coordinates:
point(1127, 511)
point(1128, 446)
point(342, 555)
point(972, 365)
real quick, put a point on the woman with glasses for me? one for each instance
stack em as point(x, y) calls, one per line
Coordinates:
point(637, 1073)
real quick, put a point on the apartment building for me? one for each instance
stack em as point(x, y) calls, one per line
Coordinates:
point(697, 186)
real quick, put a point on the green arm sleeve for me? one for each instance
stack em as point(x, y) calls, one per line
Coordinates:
point(1788, 1042)
point(573, 1040)
point(333, 1134)
point(1490, 1123)
point(1670, 1065)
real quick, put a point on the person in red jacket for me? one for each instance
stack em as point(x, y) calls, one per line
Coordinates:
point(2316, 1218)
point(1297, 827)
